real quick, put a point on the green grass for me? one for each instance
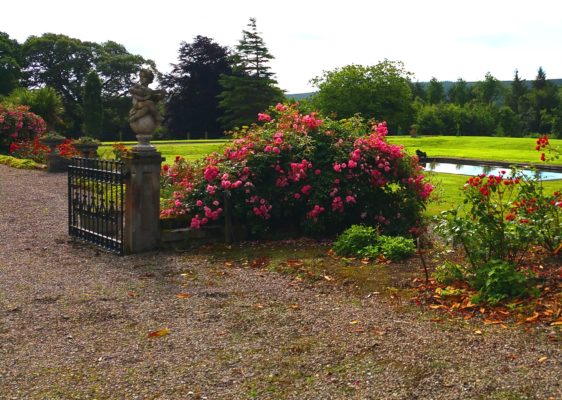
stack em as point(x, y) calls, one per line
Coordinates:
point(190, 149)
point(448, 193)
point(479, 147)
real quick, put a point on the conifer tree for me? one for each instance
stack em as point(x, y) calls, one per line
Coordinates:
point(251, 88)
point(435, 91)
point(92, 106)
point(518, 90)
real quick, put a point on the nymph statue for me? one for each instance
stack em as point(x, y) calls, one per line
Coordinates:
point(144, 117)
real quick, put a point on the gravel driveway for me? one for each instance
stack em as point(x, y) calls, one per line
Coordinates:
point(74, 324)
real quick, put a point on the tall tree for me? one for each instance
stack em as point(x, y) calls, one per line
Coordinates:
point(118, 69)
point(435, 91)
point(540, 81)
point(518, 90)
point(381, 91)
point(489, 91)
point(92, 106)
point(63, 63)
point(10, 64)
point(459, 93)
point(544, 101)
point(251, 88)
point(418, 91)
point(193, 88)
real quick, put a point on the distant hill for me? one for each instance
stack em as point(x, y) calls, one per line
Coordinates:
point(446, 85)
point(299, 96)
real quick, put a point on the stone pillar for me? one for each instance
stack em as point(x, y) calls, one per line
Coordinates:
point(142, 201)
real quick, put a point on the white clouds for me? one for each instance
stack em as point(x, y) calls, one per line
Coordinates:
point(445, 39)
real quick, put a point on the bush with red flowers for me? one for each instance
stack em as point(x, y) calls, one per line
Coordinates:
point(17, 125)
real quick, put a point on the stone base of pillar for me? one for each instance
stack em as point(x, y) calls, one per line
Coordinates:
point(142, 202)
point(56, 163)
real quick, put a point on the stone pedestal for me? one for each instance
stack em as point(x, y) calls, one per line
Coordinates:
point(56, 163)
point(142, 201)
point(87, 150)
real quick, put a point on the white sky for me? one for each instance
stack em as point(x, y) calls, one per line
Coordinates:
point(445, 39)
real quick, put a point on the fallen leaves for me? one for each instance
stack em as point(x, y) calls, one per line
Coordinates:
point(184, 295)
point(455, 300)
point(159, 333)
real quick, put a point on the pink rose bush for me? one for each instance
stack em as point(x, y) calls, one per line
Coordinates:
point(19, 126)
point(316, 173)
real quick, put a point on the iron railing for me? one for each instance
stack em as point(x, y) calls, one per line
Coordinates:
point(96, 202)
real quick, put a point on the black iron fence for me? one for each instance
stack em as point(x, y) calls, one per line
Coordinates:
point(96, 202)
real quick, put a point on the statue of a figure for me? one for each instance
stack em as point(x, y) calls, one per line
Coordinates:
point(144, 117)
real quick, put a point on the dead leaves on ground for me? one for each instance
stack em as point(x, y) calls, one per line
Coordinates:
point(158, 333)
point(455, 300)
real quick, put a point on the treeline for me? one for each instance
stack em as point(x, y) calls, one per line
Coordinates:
point(489, 107)
point(81, 88)
point(78, 87)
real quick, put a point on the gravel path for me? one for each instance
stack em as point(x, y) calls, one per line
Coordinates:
point(74, 324)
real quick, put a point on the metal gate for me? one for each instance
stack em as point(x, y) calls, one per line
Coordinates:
point(95, 202)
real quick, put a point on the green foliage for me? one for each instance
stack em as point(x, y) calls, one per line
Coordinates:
point(435, 92)
point(92, 106)
point(518, 90)
point(45, 102)
point(193, 87)
point(354, 239)
point(10, 64)
point(499, 280)
point(62, 62)
point(381, 92)
point(251, 88)
point(394, 248)
point(452, 119)
point(489, 91)
point(18, 162)
point(459, 93)
point(449, 273)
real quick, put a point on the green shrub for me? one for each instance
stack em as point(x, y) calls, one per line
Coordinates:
point(355, 239)
point(360, 240)
point(394, 248)
point(449, 272)
point(18, 163)
point(499, 280)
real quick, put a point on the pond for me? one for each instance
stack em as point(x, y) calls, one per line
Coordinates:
point(465, 169)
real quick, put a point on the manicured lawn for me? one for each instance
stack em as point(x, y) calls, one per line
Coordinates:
point(191, 150)
point(448, 191)
point(480, 147)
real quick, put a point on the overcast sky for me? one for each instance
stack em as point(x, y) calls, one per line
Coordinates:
point(442, 39)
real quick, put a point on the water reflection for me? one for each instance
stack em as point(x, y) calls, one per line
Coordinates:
point(465, 169)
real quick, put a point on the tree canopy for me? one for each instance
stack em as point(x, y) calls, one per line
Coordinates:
point(10, 64)
point(251, 87)
point(380, 91)
point(193, 88)
point(63, 63)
